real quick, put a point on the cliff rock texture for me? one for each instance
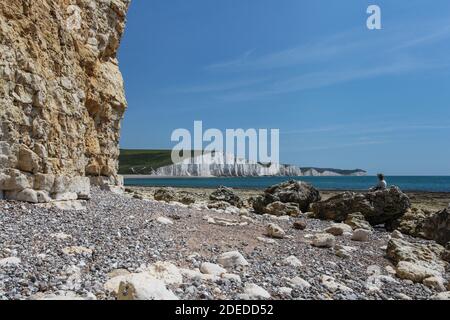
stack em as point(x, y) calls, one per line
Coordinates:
point(61, 97)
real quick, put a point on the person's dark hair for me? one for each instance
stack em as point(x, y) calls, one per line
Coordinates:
point(380, 176)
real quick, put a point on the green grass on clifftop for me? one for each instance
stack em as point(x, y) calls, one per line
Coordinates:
point(143, 161)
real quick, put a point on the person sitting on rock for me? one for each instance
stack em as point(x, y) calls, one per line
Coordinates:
point(381, 185)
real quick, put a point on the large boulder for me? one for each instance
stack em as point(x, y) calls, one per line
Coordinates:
point(27, 195)
point(164, 271)
point(425, 224)
point(437, 227)
point(337, 208)
point(291, 192)
point(387, 205)
point(227, 195)
point(383, 206)
point(416, 261)
point(139, 286)
point(411, 223)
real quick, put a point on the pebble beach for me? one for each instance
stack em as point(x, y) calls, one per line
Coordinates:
point(47, 253)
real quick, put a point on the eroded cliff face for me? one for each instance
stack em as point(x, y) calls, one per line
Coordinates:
point(61, 97)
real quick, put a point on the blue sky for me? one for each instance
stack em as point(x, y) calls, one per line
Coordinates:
point(342, 96)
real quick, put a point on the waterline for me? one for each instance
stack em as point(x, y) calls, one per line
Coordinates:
point(406, 183)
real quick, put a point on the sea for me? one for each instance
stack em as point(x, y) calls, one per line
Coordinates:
point(406, 183)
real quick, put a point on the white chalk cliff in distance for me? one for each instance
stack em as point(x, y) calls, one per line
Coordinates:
point(226, 165)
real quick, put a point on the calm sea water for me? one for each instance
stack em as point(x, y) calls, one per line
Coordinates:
point(406, 183)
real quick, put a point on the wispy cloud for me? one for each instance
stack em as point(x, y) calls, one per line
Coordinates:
point(383, 129)
point(441, 33)
point(344, 145)
point(356, 136)
point(325, 49)
point(220, 87)
point(338, 45)
point(305, 53)
point(359, 136)
point(367, 132)
point(314, 130)
point(320, 79)
point(239, 61)
point(340, 58)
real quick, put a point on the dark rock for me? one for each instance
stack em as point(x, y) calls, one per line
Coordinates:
point(186, 199)
point(446, 254)
point(377, 207)
point(387, 205)
point(165, 194)
point(296, 192)
point(138, 196)
point(169, 194)
point(293, 192)
point(219, 205)
point(411, 223)
point(227, 195)
point(300, 224)
point(295, 293)
point(259, 204)
point(437, 227)
point(337, 208)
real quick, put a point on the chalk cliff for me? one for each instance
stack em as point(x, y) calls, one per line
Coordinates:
point(225, 165)
point(61, 97)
